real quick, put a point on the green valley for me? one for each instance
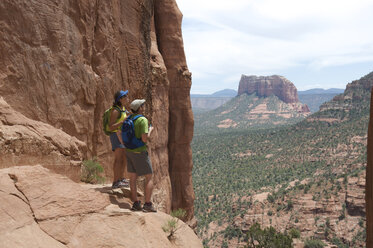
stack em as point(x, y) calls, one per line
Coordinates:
point(280, 175)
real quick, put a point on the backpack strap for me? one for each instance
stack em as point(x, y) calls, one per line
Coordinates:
point(135, 118)
point(119, 110)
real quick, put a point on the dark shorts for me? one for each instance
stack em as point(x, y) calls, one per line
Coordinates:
point(115, 143)
point(139, 163)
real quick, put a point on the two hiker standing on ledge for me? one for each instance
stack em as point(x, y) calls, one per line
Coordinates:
point(128, 140)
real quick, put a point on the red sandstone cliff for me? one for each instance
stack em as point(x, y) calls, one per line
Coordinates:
point(60, 64)
point(168, 29)
point(266, 86)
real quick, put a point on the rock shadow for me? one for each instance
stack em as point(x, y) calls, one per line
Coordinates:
point(119, 197)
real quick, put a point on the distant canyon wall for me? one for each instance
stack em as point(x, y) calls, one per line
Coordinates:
point(61, 63)
point(369, 180)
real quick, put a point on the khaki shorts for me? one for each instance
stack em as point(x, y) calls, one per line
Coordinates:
point(139, 163)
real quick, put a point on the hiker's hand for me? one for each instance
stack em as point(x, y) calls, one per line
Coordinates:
point(125, 118)
point(119, 135)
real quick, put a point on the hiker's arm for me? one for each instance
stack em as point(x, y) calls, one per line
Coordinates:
point(113, 118)
point(144, 136)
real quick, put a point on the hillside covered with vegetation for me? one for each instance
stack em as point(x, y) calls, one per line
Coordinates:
point(323, 151)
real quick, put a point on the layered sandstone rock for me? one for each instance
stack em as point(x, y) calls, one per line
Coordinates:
point(42, 209)
point(357, 93)
point(342, 213)
point(355, 196)
point(25, 141)
point(63, 61)
point(267, 86)
point(365, 83)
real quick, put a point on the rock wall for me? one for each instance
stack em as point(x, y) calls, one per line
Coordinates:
point(168, 29)
point(62, 62)
point(266, 86)
point(369, 180)
point(25, 141)
point(363, 83)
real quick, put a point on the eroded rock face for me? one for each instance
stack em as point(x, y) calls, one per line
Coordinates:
point(355, 197)
point(343, 213)
point(63, 61)
point(168, 23)
point(267, 86)
point(365, 83)
point(43, 209)
point(25, 141)
point(356, 93)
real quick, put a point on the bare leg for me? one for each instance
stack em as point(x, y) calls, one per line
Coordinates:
point(148, 187)
point(133, 186)
point(119, 163)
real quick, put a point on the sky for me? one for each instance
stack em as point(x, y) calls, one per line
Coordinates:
point(313, 43)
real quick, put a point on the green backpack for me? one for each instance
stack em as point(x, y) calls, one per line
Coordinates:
point(106, 119)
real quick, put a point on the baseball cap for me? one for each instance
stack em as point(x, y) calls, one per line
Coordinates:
point(136, 104)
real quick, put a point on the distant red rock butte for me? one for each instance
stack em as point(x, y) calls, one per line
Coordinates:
point(269, 85)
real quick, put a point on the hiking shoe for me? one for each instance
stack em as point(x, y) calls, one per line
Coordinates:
point(136, 206)
point(119, 184)
point(148, 207)
point(125, 181)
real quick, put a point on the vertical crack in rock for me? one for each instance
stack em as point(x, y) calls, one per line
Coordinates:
point(120, 70)
point(96, 21)
point(147, 13)
point(15, 180)
point(96, 124)
point(99, 95)
point(95, 27)
point(46, 101)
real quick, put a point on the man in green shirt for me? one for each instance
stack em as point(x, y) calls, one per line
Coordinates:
point(138, 162)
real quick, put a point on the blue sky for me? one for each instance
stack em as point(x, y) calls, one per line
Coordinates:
point(314, 44)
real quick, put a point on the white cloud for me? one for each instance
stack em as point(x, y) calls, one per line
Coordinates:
point(339, 60)
point(224, 39)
